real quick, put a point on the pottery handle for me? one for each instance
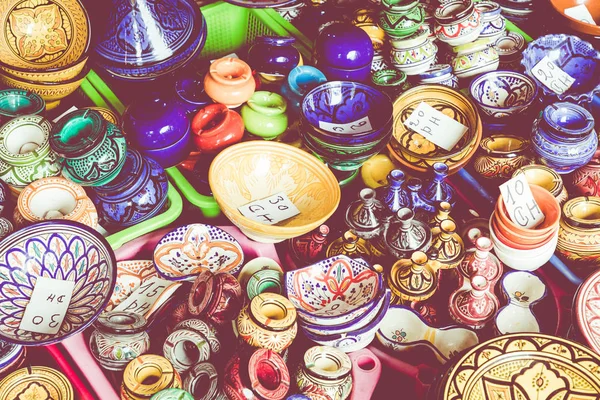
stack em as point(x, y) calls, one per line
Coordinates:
point(366, 371)
point(76, 347)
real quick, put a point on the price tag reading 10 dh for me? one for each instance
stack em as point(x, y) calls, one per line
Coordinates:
point(48, 306)
point(270, 210)
point(552, 76)
point(520, 204)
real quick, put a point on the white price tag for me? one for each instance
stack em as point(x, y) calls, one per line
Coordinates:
point(149, 296)
point(435, 126)
point(552, 76)
point(358, 126)
point(519, 201)
point(270, 210)
point(580, 13)
point(48, 305)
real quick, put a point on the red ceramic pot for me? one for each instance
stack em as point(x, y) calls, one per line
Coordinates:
point(215, 127)
point(217, 297)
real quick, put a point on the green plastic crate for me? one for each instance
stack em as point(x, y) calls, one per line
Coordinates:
point(174, 201)
point(230, 29)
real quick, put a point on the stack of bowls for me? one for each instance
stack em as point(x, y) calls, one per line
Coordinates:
point(345, 317)
point(518, 11)
point(46, 55)
point(526, 249)
point(345, 123)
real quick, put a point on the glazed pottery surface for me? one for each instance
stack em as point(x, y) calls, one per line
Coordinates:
point(130, 276)
point(400, 23)
point(325, 370)
point(216, 127)
point(80, 254)
point(509, 47)
point(474, 58)
point(172, 394)
point(576, 57)
point(300, 81)
point(416, 152)
point(265, 115)
point(40, 35)
point(457, 22)
point(171, 34)
point(414, 279)
point(185, 251)
point(269, 374)
point(255, 170)
point(503, 93)
point(190, 95)
point(229, 81)
point(209, 332)
point(579, 233)
point(501, 155)
point(441, 74)
point(310, 247)
point(402, 329)
point(217, 297)
point(177, 347)
point(274, 54)
point(582, 26)
point(17, 102)
point(137, 372)
point(414, 54)
point(406, 234)
point(35, 381)
point(349, 244)
point(586, 311)
point(522, 290)
point(585, 181)
point(196, 381)
point(342, 45)
point(515, 361)
point(492, 21)
point(58, 74)
point(366, 215)
point(547, 178)
point(334, 304)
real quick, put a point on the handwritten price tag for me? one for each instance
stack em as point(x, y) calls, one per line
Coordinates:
point(519, 201)
point(358, 126)
point(552, 76)
point(435, 126)
point(580, 13)
point(48, 306)
point(149, 296)
point(270, 210)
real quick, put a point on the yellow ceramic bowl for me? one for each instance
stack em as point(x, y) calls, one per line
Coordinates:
point(419, 154)
point(545, 177)
point(51, 92)
point(60, 74)
point(43, 34)
point(255, 170)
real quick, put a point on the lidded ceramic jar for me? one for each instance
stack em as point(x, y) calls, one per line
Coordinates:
point(268, 322)
point(492, 21)
point(563, 137)
point(265, 114)
point(395, 195)
point(273, 54)
point(510, 48)
point(229, 81)
point(400, 18)
point(501, 155)
point(217, 297)
point(547, 178)
point(186, 347)
point(205, 328)
point(389, 81)
point(406, 235)
point(480, 261)
point(25, 154)
point(190, 95)
point(203, 382)
point(457, 22)
point(310, 247)
point(438, 189)
point(55, 198)
point(119, 337)
point(138, 192)
point(414, 278)
point(325, 370)
point(474, 304)
point(351, 245)
point(365, 216)
point(443, 210)
point(413, 54)
point(91, 149)
point(474, 58)
point(585, 181)
point(147, 375)
point(579, 234)
point(449, 245)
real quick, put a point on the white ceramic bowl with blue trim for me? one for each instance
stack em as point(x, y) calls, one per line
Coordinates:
point(502, 94)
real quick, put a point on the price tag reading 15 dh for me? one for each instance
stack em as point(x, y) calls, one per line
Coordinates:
point(435, 126)
point(48, 306)
point(552, 76)
point(520, 204)
point(270, 210)
point(144, 300)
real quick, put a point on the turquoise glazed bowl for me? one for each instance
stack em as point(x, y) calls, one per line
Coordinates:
point(91, 149)
point(17, 102)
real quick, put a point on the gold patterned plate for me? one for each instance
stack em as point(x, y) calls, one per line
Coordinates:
point(524, 367)
point(36, 383)
point(587, 310)
point(42, 34)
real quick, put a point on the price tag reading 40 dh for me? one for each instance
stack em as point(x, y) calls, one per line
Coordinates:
point(552, 76)
point(270, 210)
point(520, 204)
point(48, 306)
point(435, 126)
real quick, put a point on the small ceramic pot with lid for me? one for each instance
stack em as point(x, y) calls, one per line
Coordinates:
point(91, 149)
point(325, 370)
point(390, 81)
point(492, 21)
point(344, 46)
point(510, 48)
point(457, 22)
point(265, 115)
point(274, 54)
point(501, 155)
point(414, 54)
point(147, 375)
point(474, 58)
point(25, 154)
point(217, 297)
point(229, 81)
point(401, 18)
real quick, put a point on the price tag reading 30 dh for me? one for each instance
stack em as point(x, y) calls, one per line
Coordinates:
point(270, 210)
point(552, 76)
point(435, 126)
point(48, 305)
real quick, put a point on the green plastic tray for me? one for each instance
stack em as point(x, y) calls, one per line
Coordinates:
point(230, 29)
point(175, 203)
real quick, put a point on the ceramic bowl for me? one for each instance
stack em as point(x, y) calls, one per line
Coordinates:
point(515, 240)
point(254, 170)
point(187, 250)
point(545, 177)
point(582, 26)
point(502, 94)
point(457, 22)
point(61, 250)
point(500, 155)
point(51, 92)
point(524, 260)
point(17, 102)
point(332, 304)
point(509, 47)
point(360, 74)
point(403, 328)
point(130, 275)
point(522, 290)
point(37, 36)
point(59, 74)
point(357, 338)
point(574, 56)
point(419, 154)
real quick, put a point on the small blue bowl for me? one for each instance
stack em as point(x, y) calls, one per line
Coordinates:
point(300, 81)
point(362, 74)
point(173, 154)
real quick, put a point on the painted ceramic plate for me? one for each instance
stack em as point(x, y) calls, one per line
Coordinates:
point(130, 275)
point(41, 383)
point(60, 250)
point(524, 366)
point(182, 253)
point(587, 310)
